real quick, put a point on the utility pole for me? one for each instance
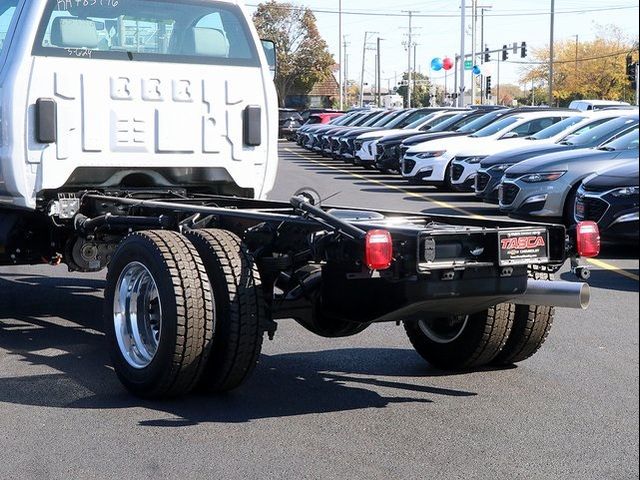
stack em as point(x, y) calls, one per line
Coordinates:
point(379, 74)
point(345, 85)
point(576, 69)
point(498, 84)
point(553, 19)
point(533, 94)
point(364, 59)
point(484, 47)
point(415, 62)
point(455, 76)
point(637, 84)
point(474, 20)
point(341, 74)
point(463, 21)
point(409, 47)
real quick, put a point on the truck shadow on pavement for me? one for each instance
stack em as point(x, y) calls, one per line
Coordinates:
point(51, 341)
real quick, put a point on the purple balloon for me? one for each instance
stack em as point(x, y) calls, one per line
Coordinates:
point(436, 64)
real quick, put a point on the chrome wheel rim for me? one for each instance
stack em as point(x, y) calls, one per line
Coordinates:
point(137, 315)
point(444, 330)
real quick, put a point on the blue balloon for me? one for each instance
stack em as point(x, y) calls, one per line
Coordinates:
point(476, 70)
point(436, 64)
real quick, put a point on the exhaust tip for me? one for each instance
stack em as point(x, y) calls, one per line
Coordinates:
point(585, 296)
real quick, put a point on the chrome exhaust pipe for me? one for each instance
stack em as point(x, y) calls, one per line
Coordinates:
point(556, 294)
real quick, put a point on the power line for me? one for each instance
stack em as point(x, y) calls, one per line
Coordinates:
point(445, 15)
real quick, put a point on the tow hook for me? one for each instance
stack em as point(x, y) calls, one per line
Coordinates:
point(581, 271)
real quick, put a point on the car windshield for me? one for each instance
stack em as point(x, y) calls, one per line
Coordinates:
point(413, 117)
point(628, 141)
point(601, 134)
point(7, 10)
point(454, 123)
point(287, 114)
point(371, 119)
point(390, 119)
point(420, 122)
point(480, 123)
point(353, 119)
point(438, 120)
point(496, 127)
point(557, 128)
point(183, 31)
point(381, 119)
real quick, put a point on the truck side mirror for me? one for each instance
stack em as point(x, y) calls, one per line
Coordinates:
point(270, 51)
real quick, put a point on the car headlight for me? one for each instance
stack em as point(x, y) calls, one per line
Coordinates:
point(431, 154)
point(543, 177)
point(502, 168)
point(626, 192)
point(474, 160)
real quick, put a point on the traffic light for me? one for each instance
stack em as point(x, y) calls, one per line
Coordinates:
point(488, 89)
point(631, 69)
point(505, 53)
point(523, 51)
point(487, 56)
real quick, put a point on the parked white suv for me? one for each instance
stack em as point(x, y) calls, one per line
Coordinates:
point(429, 162)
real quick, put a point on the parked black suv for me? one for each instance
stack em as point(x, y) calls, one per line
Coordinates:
point(611, 200)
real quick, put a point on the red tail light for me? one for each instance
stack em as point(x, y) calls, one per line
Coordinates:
point(378, 250)
point(588, 239)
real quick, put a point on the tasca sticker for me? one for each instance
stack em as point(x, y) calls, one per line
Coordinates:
point(523, 247)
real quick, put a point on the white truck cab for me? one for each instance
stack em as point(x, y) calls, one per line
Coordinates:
point(110, 93)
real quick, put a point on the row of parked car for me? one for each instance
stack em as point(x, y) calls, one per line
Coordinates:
point(557, 165)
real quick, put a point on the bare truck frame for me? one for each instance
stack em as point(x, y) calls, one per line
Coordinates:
point(196, 280)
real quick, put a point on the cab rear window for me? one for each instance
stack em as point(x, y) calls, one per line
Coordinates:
point(191, 31)
point(7, 11)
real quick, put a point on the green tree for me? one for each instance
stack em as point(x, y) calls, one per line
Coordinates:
point(420, 95)
point(303, 56)
point(588, 69)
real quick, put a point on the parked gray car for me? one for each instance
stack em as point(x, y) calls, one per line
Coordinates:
point(545, 187)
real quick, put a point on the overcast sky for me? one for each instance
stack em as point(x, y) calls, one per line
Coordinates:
point(507, 22)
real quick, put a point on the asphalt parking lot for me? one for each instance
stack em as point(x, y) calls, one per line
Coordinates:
point(365, 407)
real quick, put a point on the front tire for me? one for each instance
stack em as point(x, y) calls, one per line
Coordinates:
point(158, 313)
point(462, 342)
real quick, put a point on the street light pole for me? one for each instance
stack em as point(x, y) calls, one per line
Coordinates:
point(576, 72)
point(463, 21)
point(551, 57)
point(340, 60)
point(474, 18)
point(379, 75)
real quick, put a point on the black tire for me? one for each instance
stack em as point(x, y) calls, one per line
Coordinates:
point(568, 213)
point(240, 309)
point(531, 327)
point(447, 186)
point(187, 314)
point(480, 341)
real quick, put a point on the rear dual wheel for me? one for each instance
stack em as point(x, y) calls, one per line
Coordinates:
point(172, 323)
point(531, 326)
point(464, 341)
